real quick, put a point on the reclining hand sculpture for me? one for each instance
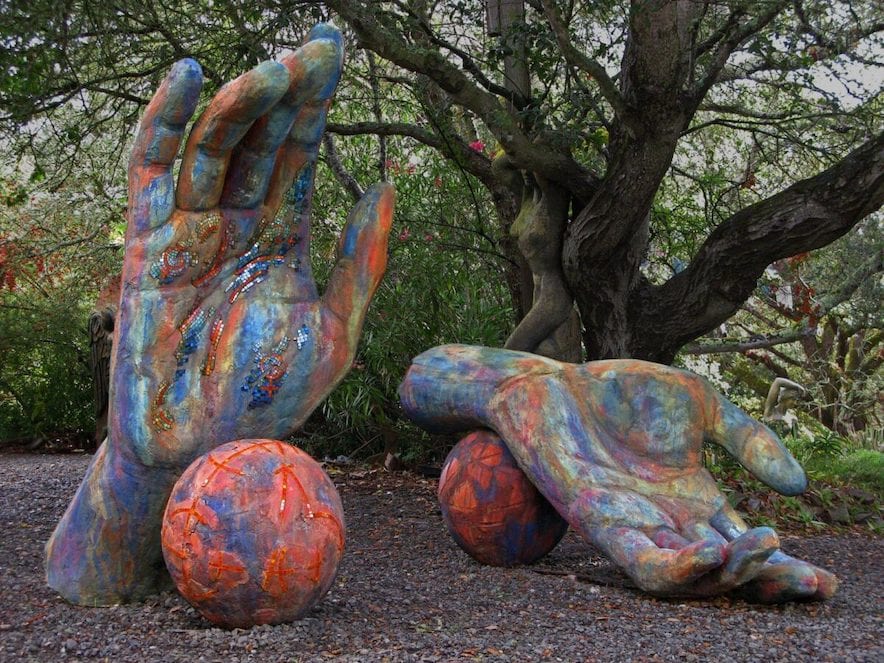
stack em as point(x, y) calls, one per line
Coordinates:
point(617, 448)
point(221, 333)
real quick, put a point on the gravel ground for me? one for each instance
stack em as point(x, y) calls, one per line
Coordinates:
point(405, 592)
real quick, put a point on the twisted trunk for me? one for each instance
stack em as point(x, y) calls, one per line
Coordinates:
point(668, 67)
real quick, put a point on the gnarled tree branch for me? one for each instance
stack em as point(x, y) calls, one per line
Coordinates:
point(556, 165)
point(580, 60)
point(807, 215)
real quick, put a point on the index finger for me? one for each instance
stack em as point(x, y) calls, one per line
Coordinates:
point(313, 68)
point(290, 190)
point(151, 191)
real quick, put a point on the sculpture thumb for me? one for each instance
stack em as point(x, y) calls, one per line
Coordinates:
point(757, 447)
point(362, 258)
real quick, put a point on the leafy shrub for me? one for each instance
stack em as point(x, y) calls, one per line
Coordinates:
point(58, 242)
point(861, 467)
point(822, 444)
point(45, 382)
point(443, 285)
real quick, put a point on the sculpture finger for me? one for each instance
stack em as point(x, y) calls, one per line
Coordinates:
point(310, 68)
point(296, 159)
point(151, 188)
point(785, 578)
point(302, 144)
point(744, 558)
point(666, 537)
point(362, 259)
point(702, 530)
point(728, 522)
point(663, 571)
point(219, 130)
point(755, 446)
point(449, 387)
point(782, 578)
point(630, 529)
point(745, 552)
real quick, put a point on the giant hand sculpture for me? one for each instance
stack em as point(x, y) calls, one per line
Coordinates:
point(221, 334)
point(617, 448)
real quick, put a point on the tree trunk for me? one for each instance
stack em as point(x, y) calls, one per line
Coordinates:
point(607, 240)
point(670, 63)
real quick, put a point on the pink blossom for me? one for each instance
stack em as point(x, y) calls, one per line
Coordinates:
point(477, 146)
point(404, 234)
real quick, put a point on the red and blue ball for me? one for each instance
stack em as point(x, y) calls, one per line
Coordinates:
point(491, 508)
point(253, 533)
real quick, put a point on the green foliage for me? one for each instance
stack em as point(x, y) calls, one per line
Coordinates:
point(45, 382)
point(57, 247)
point(825, 445)
point(846, 486)
point(76, 75)
point(862, 467)
point(442, 286)
point(830, 301)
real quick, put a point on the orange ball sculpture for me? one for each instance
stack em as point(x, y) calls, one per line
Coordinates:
point(491, 508)
point(253, 533)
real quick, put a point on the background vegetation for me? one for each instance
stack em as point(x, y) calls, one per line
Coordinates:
point(76, 75)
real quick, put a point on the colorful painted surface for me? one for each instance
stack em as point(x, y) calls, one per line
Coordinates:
point(253, 533)
point(617, 448)
point(221, 334)
point(491, 508)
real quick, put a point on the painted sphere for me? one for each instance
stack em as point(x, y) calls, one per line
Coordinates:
point(253, 533)
point(492, 509)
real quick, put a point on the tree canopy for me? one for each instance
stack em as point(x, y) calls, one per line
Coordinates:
point(631, 169)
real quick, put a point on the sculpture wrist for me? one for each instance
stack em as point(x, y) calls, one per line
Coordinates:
point(106, 548)
point(435, 402)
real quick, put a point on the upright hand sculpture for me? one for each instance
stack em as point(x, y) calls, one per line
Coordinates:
point(221, 333)
point(617, 448)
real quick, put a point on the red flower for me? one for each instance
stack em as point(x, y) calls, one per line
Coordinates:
point(404, 234)
point(477, 146)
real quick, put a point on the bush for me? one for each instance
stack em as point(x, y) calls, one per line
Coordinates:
point(45, 381)
point(443, 285)
point(863, 468)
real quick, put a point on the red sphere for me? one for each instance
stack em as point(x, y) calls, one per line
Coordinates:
point(253, 533)
point(492, 509)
